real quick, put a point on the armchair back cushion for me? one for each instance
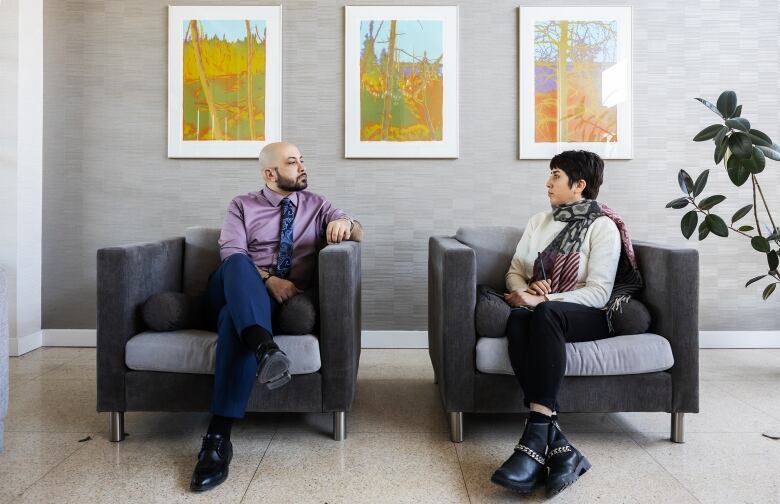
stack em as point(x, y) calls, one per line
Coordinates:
point(494, 247)
point(201, 257)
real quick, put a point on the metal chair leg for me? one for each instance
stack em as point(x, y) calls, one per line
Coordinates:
point(456, 426)
point(339, 425)
point(678, 430)
point(116, 426)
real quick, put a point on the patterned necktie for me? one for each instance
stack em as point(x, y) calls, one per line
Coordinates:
point(284, 260)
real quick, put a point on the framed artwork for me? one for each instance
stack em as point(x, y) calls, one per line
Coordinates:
point(575, 81)
point(224, 81)
point(401, 89)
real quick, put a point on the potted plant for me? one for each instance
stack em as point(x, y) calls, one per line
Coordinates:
point(743, 151)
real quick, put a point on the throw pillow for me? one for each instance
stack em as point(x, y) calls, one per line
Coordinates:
point(492, 313)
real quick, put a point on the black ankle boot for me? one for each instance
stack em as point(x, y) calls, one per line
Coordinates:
point(525, 468)
point(273, 366)
point(565, 462)
point(213, 463)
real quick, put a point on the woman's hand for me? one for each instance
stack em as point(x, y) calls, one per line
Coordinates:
point(522, 298)
point(539, 287)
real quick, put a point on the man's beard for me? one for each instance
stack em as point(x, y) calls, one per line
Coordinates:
point(288, 184)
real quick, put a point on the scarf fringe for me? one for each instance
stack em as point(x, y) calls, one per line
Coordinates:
point(615, 305)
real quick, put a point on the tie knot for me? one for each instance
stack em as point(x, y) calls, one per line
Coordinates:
point(286, 202)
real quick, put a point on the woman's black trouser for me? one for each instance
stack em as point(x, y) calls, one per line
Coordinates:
point(537, 345)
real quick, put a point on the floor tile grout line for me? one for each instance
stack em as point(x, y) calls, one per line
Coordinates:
point(667, 471)
point(56, 465)
point(257, 468)
point(462, 474)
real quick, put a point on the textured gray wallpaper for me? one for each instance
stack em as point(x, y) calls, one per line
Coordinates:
point(107, 179)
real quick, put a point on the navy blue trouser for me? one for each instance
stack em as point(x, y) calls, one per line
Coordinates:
point(237, 299)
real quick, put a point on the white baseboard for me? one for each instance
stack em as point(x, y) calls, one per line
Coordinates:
point(739, 339)
point(381, 339)
point(394, 339)
point(70, 337)
point(28, 343)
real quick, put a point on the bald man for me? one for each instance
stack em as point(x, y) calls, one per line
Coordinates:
point(268, 246)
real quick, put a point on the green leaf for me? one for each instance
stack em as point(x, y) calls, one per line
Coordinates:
point(772, 152)
point(738, 112)
point(768, 290)
point(745, 229)
point(754, 279)
point(720, 150)
point(738, 173)
point(740, 145)
point(704, 230)
point(760, 243)
point(741, 213)
point(688, 223)
point(755, 164)
point(711, 201)
point(709, 106)
point(701, 181)
point(727, 103)
point(773, 260)
point(739, 123)
point(685, 181)
point(721, 135)
point(709, 132)
point(678, 203)
point(716, 225)
point(760, 138)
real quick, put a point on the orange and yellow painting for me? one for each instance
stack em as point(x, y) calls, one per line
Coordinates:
point(224, 68)
point(570, 58)
point(401, 81)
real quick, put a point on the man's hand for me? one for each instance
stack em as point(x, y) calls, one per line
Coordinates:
point(539, 287)
point(522, 298)
point(280, 289)
point(338, 231)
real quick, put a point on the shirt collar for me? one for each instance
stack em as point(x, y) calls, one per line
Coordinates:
point(275, 198)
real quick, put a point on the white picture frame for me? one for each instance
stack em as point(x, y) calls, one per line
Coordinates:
point(445, 147)
point(615, 83)
point(178, 147)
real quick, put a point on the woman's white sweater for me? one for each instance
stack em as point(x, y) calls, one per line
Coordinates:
point(599, 258)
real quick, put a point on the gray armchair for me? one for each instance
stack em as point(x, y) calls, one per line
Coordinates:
point(128, 275)
point(481, 255)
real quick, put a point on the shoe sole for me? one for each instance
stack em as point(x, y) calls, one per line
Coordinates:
point(275, 372)
point(569, 479)
point(512, 485)
point(214, 484)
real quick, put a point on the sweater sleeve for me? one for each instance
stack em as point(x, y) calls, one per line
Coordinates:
point(517, 278)
point(602, 265)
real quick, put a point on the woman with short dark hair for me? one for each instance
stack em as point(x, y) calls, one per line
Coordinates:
point(573, 266)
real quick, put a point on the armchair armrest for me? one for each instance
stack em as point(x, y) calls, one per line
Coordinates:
point(452, 338)
point(340, 325)
point(671, 293)
point(126, 277)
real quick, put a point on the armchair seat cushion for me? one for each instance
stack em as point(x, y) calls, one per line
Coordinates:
point(618, 355)
point(193, 351)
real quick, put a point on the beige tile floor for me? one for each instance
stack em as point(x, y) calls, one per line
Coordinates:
point(397, 449)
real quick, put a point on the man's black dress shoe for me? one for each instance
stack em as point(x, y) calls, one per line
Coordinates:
point(565, 462)
point(525, 468)
point(213, 462)
point(273, 366)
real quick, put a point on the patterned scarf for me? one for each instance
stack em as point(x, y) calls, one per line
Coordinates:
point(561, 258)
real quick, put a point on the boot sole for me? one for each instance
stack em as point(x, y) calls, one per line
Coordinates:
point(566, 481)
point(214, 484)
point(275, 372)
point(513, 485)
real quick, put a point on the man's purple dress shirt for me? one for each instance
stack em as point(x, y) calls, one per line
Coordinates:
point(252, 227)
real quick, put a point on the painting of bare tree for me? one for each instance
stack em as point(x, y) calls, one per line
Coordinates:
point(575, 80)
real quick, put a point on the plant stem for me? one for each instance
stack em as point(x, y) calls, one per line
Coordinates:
point(755, 180)
point(706, 212)
point(755, 208)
